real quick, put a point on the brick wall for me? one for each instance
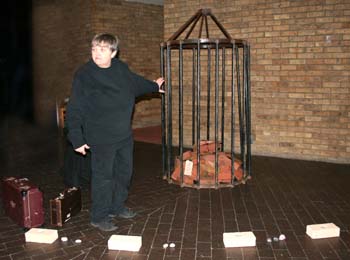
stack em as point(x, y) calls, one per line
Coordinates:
point(61, 34)
point(62, 31)
point(140, 30)
point(300, 71)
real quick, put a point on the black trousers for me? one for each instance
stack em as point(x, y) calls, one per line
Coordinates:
point(112, 167)
point(76, 168)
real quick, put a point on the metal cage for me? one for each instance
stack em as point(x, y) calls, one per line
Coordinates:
point(202, 106)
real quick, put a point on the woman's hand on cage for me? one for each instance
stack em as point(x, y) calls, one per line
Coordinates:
point(160, 82)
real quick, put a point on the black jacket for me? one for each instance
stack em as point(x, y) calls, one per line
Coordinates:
point(101, 103)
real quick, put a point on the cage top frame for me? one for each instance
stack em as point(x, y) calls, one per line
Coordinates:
point(188, 42)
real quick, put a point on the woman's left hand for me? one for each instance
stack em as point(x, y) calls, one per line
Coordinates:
point(160, 82)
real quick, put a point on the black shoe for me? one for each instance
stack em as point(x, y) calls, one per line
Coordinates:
point(106, 225)
point(125, 213)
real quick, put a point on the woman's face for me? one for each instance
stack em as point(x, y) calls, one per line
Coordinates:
point(102, 54)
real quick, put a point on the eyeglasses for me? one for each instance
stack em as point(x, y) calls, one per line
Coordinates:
point(100, 48)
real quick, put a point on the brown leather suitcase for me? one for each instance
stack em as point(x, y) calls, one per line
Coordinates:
point(66, 205)
point(23, 202)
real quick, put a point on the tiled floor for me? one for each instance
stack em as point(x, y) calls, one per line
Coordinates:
point(283, 197)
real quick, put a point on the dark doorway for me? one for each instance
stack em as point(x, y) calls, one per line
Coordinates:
point(15, 58)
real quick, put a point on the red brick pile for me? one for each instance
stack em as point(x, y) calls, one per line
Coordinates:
point(207, 166)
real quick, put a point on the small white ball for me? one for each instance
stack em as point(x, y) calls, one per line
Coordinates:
point(172, 245)
point(64, 239)
point(165, 245)
point(282, 237)
point(78, 241)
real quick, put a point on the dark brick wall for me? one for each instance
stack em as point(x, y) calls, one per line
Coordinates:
point(140, 30)
point(61, 34)
point(62, 31)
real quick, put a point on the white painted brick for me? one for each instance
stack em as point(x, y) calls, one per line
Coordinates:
point(239, 239)
point(123, 242)
point(325, 230)
point(41, 235)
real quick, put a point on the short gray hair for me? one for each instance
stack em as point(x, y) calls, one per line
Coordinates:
point(110, 39)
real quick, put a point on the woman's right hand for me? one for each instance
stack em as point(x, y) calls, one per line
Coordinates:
point(82, 149)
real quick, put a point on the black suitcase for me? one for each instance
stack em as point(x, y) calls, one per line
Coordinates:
point(66, 205)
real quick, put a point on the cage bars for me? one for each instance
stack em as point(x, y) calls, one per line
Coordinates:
point(235, 59)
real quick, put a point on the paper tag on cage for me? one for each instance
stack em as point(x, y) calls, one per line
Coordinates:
point(188, 168)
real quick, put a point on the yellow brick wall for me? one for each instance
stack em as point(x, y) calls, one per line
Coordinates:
point(300, 71)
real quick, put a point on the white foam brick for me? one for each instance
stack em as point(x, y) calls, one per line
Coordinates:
point(41, 235)
point(325, 230)
point(124, 242)
point(239, 239)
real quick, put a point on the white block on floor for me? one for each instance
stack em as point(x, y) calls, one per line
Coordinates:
point(239, 239)
point(41, 235)
point(124, 242)
point(325, 230)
